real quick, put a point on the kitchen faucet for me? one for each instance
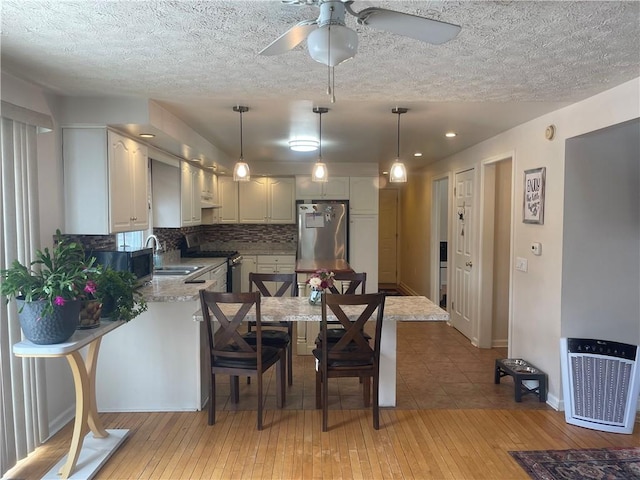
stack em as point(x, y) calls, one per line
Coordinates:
point(157, 258)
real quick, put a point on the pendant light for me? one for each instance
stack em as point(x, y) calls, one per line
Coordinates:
point(320, 173)
point(241, 171)
point(398, 172)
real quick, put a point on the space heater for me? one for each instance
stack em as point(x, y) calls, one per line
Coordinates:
point(601, 383)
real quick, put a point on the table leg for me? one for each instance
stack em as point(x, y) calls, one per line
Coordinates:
point(80, 427)
point(388, 351)
point(95, 424)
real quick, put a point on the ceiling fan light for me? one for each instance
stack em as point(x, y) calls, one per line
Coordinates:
point(398, 173)
point(241, 172)
point(303, 145)
point(320, 172)
point(332, 44)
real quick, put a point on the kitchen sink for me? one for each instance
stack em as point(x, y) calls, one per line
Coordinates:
point(177, 269)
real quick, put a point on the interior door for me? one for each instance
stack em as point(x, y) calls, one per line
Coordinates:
point(463, 279)
point(388, 233)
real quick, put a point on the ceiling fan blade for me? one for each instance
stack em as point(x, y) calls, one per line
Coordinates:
point(291, 38)
point(420, 28)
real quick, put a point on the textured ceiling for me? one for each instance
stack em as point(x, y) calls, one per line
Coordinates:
point(512, 61)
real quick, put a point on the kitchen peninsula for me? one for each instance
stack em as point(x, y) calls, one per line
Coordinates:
point(154, 362)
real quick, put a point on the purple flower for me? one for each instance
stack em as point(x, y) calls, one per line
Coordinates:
point(91, 287)
point(59, 301)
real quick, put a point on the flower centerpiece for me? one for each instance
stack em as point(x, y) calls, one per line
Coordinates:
point(49, 292)
point(319, 281)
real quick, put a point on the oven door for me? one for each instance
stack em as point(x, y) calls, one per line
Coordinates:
point(234, 278)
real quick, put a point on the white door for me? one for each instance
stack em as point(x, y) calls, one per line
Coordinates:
point(388, 232)
point(463, 279)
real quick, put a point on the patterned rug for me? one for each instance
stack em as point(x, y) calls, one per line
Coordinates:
point(599, 463)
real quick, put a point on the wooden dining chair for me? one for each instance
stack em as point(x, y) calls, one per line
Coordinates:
point(352, 355)
point(276, 334)
point(231, 354)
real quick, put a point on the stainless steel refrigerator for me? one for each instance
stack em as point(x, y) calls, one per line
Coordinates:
point(323, 230)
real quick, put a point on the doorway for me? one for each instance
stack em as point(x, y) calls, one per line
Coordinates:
point(495, 246)
point(440, 240)
point(388, 238)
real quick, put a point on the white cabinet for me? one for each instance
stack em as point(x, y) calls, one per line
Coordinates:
point(176, 195)
point(248, 266)
point(191, 182)
point(228, 199)
point(363, 248)
point(337, 188)
point(106, 183)
point(209, 192)
point(363, 195)
point(267, 200)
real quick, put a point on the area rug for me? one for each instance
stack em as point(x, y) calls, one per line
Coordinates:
point(599, 463)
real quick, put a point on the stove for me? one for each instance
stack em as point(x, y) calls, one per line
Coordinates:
point(192, 247)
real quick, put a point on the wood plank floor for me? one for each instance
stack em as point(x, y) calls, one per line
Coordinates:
point(451, 422)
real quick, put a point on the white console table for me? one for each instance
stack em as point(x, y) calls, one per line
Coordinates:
point(88, 451)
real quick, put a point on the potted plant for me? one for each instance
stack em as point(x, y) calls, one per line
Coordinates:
point(119, 293)
point(50, 290)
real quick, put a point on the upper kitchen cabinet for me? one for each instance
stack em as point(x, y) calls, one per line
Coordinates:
point(337, 188)
point(106, 183)
point(267, 200)
point(228, 199)
point(363, 199)
point(191, 185)
point(176, 194)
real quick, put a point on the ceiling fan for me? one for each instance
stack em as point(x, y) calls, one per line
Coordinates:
point(331, 42)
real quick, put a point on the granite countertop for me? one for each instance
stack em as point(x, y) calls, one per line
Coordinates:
point(297, 309)
point(172, 288)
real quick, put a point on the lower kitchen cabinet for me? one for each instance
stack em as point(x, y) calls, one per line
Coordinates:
point(266, 264)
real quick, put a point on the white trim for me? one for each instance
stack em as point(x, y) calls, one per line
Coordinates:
point(26, 116)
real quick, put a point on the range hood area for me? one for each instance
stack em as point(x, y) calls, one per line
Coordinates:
point(134, 116)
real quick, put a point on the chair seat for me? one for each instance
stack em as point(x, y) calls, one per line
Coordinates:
point(219, 360)
point(317, 352)
point(273, 338)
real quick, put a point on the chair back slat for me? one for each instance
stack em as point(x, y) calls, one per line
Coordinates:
point(355, 280)
point(285, 281)
point(352, 345)
point(228, 341)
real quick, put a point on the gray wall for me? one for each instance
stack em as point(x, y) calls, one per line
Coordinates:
point(601, 246)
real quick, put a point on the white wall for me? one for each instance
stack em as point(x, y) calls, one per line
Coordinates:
point(536, 295)
point(60, 389)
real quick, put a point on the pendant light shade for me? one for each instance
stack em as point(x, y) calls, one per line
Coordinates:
point(398, 172)
point(241, 172)
point(320, 172)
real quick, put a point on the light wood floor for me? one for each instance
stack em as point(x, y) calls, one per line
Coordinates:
point(451, 422)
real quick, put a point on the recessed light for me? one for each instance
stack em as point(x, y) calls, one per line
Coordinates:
point(385, 173)
point(417, 154)
point(450, 134)
point(303, 145)
point(147, 135)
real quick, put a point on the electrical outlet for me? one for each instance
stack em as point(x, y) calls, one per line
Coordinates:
point(521, 264)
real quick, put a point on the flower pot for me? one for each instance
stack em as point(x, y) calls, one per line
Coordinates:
point(54, 328)
point(108, 308)
point(90, 312)
point(315, 297)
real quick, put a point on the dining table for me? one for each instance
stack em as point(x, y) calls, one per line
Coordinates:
point(396, 309)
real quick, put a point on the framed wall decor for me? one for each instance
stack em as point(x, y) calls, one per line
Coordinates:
point(533, 208)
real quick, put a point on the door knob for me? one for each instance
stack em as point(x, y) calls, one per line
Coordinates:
point(469, 264)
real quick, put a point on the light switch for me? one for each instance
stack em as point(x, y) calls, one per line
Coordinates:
point(521, 264)
point(536, 248)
